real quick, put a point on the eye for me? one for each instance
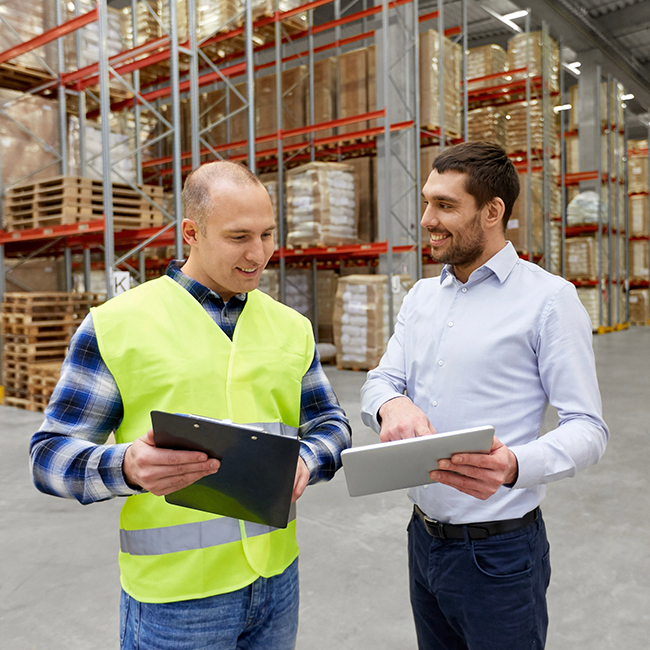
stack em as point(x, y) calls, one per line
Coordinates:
point(267, 235)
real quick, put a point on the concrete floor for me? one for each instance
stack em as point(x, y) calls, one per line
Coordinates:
point(59, 581)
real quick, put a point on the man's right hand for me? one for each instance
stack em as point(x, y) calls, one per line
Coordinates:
point(400, 419)
point(162, 471)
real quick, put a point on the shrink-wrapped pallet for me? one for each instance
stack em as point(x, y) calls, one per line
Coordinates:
point(526, 50)
point(639, 307)
point(583, 209)
point(488, 123)
point(21, 21)
point(353, 88)
point(638, 215)
point(429, 83)
point(517, 128)
point(581, 261)
point(637, 174)
point(517, 227)
point(324, 95)
point(589, 297)
point(29, 137)
point(321, 205)
point(361, 329)
point(572, 154)
point(638, 259)
point(483, 61)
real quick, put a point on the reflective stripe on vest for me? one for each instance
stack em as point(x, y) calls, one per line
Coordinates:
point(190, 537)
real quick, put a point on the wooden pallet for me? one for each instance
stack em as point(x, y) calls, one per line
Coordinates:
point(31, 386)
point(35, 352)
point(20, 77)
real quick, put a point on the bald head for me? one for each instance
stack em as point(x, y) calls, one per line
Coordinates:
point(199, 196)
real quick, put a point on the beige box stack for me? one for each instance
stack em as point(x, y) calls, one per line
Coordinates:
point(637, 174)
point(488, 123)
point(483, 61)
point(638, 260)
point(589, 298)
point(581, 258)
point(526, 50)
point(324, 95)
point(429, 87)
point(36, 331)
point(638, 215)
point(361, 318)
point(353, 88)
point(639, 307)
point(321, 205)
point(517, 130)
point(365, 172)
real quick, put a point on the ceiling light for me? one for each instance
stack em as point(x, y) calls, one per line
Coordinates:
point(516, 14)
point(563, 107)
point(627, 97)
point(573, 67)
point(504, 19)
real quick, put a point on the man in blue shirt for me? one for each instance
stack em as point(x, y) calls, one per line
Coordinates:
point(492, 341)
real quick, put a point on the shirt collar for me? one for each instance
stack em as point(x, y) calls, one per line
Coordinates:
point(200, 292)
point(501, 264)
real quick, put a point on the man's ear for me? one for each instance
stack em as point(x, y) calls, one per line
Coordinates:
point(190, 231)
point(494, 211)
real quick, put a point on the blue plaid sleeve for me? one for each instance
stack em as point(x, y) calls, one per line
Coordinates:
point(324, 428)
point(69, 457)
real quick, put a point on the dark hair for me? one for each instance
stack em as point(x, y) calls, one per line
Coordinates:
point(490, 173)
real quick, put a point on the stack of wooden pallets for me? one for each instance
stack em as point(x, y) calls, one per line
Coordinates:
point(70, 199)
point(36, 331)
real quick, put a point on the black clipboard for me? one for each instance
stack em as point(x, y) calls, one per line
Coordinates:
point(257, 473)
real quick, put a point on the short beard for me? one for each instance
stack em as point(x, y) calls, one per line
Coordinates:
point(467, 250)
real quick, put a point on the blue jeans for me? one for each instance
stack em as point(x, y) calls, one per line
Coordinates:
point(487, 594)
point(261, 616)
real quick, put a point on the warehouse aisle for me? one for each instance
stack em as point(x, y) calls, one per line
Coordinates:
point(59, 579)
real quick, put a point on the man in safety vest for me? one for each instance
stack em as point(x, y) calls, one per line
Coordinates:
point(203, 340)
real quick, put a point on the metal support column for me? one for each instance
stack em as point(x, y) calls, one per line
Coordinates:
point(599, 190)
point(441, 75)
point(250, 85)
point(563, 169)
point(61, 95)
point(177, 180)
point(610, 252)
point(465, 84)
point(194, 84)
point(546, 149)
point(67, 257)
point(617, 213)
point(87, 269)
point(416, 134)
point(281, 216)
point(626, 218)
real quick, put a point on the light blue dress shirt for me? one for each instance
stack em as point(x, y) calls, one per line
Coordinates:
point(496, 350)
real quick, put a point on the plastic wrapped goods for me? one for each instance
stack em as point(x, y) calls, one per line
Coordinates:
point(321, 205)
point(25, 19)
point(638, 259)
point(483, 61)
point(637, 174)
point(525, 50)
point(583, 209)
point(488, 123)
point(22, 154)
point(429, 83)
point(516, 135)
point(582, 258)
point(361, 318)
point(589, 298)
point(638, 215)
point(639, 307)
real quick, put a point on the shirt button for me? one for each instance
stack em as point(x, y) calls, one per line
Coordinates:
point(451, 324)
point(464, 289)
point(441, 362)
point(435, 403)
point(425, 486)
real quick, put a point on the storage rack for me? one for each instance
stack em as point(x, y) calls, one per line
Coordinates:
point(401, 124)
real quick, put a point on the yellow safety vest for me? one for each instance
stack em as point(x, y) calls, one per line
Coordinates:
point(167, 354)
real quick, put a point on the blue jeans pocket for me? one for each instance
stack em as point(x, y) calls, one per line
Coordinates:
point(503, 557)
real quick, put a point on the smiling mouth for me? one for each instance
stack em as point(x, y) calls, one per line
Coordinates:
point(436, 239)
point(247, 271)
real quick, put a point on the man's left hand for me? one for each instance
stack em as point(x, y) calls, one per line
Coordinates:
point(479, 475)
point(301, 480)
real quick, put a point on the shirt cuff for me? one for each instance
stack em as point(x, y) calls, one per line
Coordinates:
point(112, 472)
point(310, 459)
point(531, 466)
point(374, 407)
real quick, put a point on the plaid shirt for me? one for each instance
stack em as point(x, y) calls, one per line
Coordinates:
point(69, 457)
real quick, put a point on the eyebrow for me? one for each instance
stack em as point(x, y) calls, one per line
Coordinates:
point(243, 231)
point(441, 198)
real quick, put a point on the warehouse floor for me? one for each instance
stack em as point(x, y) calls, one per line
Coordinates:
point(59, 579)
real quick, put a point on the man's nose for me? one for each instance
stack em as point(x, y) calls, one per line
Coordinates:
point(429, 218)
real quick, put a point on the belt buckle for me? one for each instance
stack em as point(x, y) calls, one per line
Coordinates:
point(433, 524)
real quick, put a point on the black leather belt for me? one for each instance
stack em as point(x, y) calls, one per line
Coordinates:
point(481, 530)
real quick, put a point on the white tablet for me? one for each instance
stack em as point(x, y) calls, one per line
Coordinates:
point(406, 463)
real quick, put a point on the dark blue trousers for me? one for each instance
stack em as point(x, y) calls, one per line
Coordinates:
point(480, 594)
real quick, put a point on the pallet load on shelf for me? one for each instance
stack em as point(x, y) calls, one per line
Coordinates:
point(29, 137)
point(70, 199)
point(589, 298)
point(638, 215)
point(526, 50)
point(353, 88)
point(25, 20)
point(270, 182)
point(581, 258)
point(488, 123)
point(429, 83)
point(639, 307)
point(637, 174)
point(616, 105)
point(365, 173)
point(361, 318)
point(517, 228)
point(36, 331)
point(483, 61)
point(638, 260)
point(324, 95)
point(516, 136)
point(322, 209)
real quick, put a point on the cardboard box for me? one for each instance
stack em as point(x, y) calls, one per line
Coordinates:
point(637, 174)
point(365, 170)
point(582, 258)
point(429, 88)
point(324, 95)
point(488, 123)
point(526, 50)
point(483, 61)
point(639, 307)
point(638, 215)
point(638, 260)
point(353, 88)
